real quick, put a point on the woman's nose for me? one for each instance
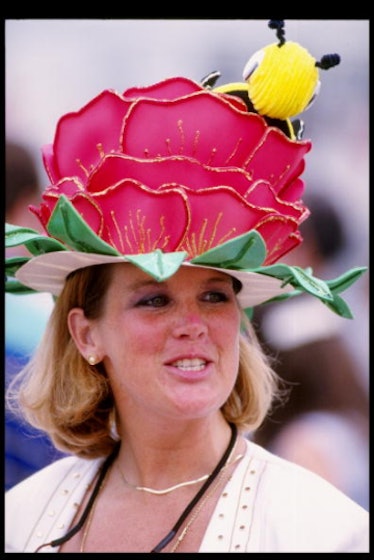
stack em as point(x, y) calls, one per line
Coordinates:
point(190, 324)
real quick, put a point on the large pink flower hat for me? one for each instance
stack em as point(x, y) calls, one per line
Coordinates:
point(177, 173)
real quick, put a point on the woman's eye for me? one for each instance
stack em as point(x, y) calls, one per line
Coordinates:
point(215, 297)
point(154, 301)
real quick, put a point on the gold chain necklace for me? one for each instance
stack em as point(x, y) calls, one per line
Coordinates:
point(160, 492)
point(165, 490)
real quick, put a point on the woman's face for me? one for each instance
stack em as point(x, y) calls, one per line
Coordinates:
point(170, 348)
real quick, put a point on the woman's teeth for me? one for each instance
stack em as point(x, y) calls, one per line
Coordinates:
point(186, 364)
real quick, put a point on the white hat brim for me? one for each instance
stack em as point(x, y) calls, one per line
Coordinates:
point(47, 273)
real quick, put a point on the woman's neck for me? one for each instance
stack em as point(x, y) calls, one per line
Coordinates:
point(160, 460)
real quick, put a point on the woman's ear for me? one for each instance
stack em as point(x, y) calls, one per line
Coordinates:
point(82, 332)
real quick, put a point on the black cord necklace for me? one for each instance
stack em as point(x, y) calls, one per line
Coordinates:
point(161, 545)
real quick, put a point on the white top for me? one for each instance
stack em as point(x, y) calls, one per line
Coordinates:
point(268, 505)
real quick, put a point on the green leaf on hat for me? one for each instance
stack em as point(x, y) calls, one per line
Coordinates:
point(301, 283)
point(299, 278)
point(158, 264)
point(249, 311)
point(68, 225)
point(35, 242)
point(12, 264)
point(17, 235)
point(343, 282)
point(339, 306)
point(13, 286)
point(246, 251)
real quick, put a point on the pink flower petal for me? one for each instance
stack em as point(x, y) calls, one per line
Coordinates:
point(171, 88)
point(194, 127)
point(277, 160)
point(217, 215)
point(155, 172)
point(134, 219)
point(281, 236)
point(82, 138)
point(262, 194)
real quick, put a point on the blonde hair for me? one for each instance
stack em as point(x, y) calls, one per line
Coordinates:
point(59, 393)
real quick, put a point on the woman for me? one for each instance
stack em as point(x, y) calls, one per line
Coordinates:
point(149, 374)
point(172, 358)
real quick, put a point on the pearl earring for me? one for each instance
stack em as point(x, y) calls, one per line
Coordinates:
point(92, 360)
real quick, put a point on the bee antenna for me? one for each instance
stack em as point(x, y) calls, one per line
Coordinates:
point(328, 61)
point(278, 24)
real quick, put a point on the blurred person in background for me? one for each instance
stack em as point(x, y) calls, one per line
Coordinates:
point(26, 449)
point(324, 422)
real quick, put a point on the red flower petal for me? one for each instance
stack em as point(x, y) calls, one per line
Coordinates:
point(82, 138)
point(194, 127)
point(134, 219)
point(68, 187)
point(217, 215)
point(277, 160)
point(281, 236)
point(171, 88)
point(155, 173)
point(262, 194)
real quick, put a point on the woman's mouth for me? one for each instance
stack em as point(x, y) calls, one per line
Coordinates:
point(190, 364)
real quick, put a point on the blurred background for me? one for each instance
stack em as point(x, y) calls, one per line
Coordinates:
point(55, 66)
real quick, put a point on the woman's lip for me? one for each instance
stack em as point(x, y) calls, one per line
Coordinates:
point(189, 361)
point(190, 368)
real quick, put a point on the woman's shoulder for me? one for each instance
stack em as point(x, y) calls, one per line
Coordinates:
point(57, 473)
point(287, 479)
point(291, 497)
point(45, 501)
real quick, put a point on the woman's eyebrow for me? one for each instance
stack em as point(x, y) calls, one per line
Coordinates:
point(137, 284)
point(142, 283)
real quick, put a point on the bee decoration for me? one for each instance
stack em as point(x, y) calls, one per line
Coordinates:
point(280, 81)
